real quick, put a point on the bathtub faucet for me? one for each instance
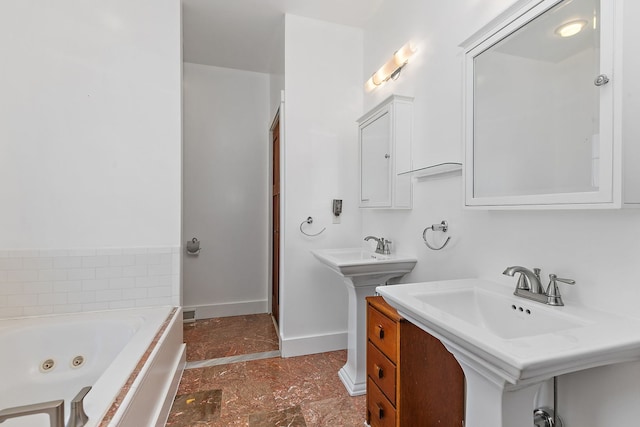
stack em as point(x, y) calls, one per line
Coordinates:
point(78, 417)
point(54, 408)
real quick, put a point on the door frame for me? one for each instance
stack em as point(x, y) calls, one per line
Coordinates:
point(279, 120)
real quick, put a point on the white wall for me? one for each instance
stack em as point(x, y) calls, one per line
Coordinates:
point(600, 250)
point(276, 71)
point(226, 187)
point(90, 171)
point(90, 123)
point(323, 98)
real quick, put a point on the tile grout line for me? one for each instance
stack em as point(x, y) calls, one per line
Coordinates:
point(231, 359)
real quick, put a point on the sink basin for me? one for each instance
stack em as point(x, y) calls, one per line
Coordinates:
point(507, 346)
point(361, 272)
point(499, 314)
point(364, 267)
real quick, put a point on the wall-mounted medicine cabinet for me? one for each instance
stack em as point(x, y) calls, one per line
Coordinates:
point(385, 150)
point(543, 107)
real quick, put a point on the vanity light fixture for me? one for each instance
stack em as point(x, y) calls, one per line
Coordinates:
point(391, 69)
point(571, 28)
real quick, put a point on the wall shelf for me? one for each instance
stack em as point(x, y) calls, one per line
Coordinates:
point(438, 169)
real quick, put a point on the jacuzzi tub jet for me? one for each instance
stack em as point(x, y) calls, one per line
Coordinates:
point(47, 365)
point(77, 362)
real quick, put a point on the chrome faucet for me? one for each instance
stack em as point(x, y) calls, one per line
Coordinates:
point(530, 287)
point(383, 245)
point(78, 417)
point(54, 408)
point(528, 280)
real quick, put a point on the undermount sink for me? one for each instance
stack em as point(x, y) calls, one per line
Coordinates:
point(508, 346)
point(363, 267)
point(361, 271)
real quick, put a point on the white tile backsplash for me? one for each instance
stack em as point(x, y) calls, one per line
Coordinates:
point(11, 288)
point(22, 275)
point(122, 283)
point(10, 264)
point(67, 262)
point(122, 260)
point(67, 286)
point(37, 282)
point(95, 284)
point(135, 271)
point(52, 275)
point(42, 263)
point(81, 273)
point(95, 261)
point(37, 287)
point(108, 272)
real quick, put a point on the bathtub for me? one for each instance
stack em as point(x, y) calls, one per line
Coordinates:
point(132, 359)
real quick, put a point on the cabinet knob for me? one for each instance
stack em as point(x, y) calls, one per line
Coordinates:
point(380, 411)
point(386, 156)
point(379, 371)
point(380, 332)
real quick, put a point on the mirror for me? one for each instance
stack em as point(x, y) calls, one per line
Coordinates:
point(535, 110)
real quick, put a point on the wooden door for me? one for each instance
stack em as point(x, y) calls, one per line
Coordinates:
point(275, 247)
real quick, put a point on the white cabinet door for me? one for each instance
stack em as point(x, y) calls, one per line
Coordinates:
point(385, 150)
point(375, 161)
point(540, 126)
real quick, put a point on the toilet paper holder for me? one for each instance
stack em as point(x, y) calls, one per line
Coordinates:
point(193, 247)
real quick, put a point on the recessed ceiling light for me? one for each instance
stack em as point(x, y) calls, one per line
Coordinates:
point(571, 28)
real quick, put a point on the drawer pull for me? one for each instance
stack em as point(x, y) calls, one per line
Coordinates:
point(380, 332)
point(380, 411)
point(379, 371)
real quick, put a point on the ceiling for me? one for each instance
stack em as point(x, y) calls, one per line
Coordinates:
point(240, 34)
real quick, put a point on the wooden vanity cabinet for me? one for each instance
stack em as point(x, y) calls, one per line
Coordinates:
point(412, 380)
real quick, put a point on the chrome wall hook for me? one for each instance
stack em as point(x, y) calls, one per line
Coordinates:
point(309, 220)
point(193, 247)
point(443, 226)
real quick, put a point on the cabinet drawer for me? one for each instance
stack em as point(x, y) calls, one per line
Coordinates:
point(382, 372)
point(382, 332)
point(380, 412)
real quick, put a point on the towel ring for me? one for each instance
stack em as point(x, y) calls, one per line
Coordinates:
point(443, 226)
point(309, 220)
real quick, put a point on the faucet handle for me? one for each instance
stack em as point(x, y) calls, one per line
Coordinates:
point(557, 279)
point(553, 293)
point(523, 283)
point(386, 250)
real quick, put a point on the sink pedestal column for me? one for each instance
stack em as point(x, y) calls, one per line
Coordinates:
point(492, 401)
point(354, 373)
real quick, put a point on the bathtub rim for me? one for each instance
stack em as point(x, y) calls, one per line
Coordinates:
point(131, 369)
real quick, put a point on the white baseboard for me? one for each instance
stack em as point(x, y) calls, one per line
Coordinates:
point(207, 311)
point(300, 346)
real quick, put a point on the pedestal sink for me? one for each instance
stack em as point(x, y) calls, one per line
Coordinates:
point(361, 271)
point(508, 346)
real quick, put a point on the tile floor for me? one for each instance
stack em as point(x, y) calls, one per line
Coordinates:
point(268, 392)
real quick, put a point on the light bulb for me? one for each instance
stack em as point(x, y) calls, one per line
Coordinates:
point(571, 28)
point(404, 54)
